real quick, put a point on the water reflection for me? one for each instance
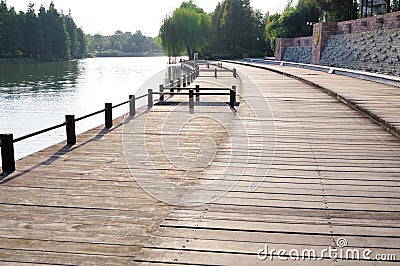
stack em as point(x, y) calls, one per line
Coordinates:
point(37, 96)
point(173, 72)
point(36, 77)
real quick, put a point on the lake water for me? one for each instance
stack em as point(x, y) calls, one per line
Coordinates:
point(37, 96)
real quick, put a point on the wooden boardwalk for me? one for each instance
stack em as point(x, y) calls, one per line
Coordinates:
point(380, 100)
point(334, 176)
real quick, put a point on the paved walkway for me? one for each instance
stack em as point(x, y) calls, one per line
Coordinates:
point(333, 180)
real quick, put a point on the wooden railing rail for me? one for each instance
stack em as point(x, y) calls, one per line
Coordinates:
point(7, 141)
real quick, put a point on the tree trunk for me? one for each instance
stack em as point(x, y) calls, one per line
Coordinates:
point(189, 51)
point(372, 8)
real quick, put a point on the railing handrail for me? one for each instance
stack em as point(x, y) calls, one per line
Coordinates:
point(27, 136)
point(7, 141)
point(89, 115)
point(42, 131)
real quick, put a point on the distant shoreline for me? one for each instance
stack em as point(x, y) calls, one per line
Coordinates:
point(130, 55)
point(8, 61)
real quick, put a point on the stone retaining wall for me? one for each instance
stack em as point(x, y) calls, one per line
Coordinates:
point(376, 51)
point(369, 44)
point(283, 43)
point(298, 54)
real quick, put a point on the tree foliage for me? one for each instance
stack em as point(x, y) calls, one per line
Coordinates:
point(337, 10)
point(233, 28)
point(49, 35)
point(186, 30)
point(293, 22)
point(395, 5)
point(123, 44)
point(237, 25)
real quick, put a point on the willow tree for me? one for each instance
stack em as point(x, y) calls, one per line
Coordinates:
point(185, 31)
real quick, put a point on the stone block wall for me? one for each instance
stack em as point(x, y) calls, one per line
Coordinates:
point(298, 54)
point(374, 51)
point(283, 43)
point(321, 33)
point(370, 44)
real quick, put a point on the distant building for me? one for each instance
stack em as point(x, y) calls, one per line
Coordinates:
point(373, 7)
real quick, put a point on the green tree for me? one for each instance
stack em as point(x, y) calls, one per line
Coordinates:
point(122, 44)
point(337, 10)
point(83, 43)
point(45, 31)
point(60, 40)
point(11, 37)
point(293, 22)
point(187, 29)
point(3, 15)
point(56, 38)
point(261, 38)
point(238, 24)
point(72, 31)
point(32, 33)
point(216, 29)
point(395, 5)
point(272, 26)
point(48, 35)
point(237, 28)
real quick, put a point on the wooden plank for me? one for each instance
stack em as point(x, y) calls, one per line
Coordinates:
point(334, 174)
point(181, 257)
point(330, 177)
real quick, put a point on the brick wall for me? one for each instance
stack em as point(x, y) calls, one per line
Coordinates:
point(283, 43)
point(385, 21)
point(322, 32)
point(280, 47)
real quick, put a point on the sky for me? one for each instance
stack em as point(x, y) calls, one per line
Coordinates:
point(106, 17)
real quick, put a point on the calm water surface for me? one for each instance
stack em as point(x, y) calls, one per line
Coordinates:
point(37, 96)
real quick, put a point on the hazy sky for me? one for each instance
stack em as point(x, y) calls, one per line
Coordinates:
point(129, 15)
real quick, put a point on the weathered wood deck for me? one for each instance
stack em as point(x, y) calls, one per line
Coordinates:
point(334, 175)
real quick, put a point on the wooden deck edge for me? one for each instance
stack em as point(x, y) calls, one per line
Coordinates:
point(395, 131)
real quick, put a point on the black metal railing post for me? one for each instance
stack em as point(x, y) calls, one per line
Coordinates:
point(150, 101)
point(108, 115)
point(216, 73)
point(179, 83)
point(232, 97)
point(132, 105)
point(197, 93)
point(162, 93)
point(234, 73)
point(70, 129)
point(191, 99)
point(171, 86)
point(7, 153)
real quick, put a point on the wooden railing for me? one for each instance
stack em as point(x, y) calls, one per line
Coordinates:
point(175, 87)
